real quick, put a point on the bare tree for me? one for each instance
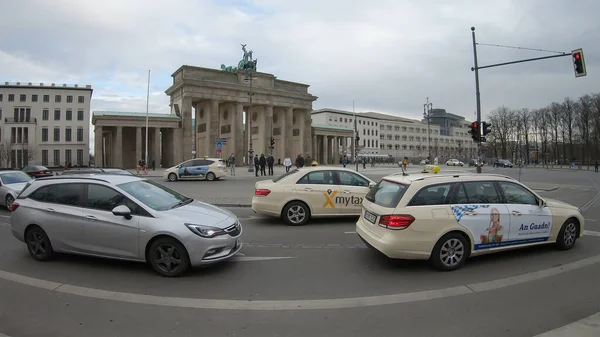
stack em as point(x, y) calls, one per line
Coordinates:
point(502, 120)
point(5, 155)
point(525, 125)
point(543, 118)
point(29, 155)
point(555, 123)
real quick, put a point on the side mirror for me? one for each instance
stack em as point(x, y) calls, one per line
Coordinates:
point(542, 203)
point(372, 184)
point(123, 211)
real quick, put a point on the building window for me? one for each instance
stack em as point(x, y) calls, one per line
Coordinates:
point(68, 134)
point(79, 157)
point(57, 98)
point(79, 115)
point(68, 156)
point(26, 135)
point(0, 113)
point(80, 134)
point(81, 99)
point(46, 98)
point(44, 134)
point(56, 114)
point(22, 98)
point(11, 97)
point(45, 157)
point(1, 97)
point(34, 98)
point(45, 114)
point(56, 157)
point(57, 134)
point(69, 99)
point(69, 115)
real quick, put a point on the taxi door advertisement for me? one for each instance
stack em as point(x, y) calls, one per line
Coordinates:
point(497, 225)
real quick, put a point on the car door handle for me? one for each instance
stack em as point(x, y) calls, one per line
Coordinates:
point(517, 213)
point(346, 191)
point(308, 189)
point(91, 217)
point(470, 213)
point(50, 210)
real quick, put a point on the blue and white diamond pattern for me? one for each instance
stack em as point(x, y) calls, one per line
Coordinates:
point(460, 210)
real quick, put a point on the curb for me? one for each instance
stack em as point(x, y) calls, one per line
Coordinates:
point(230, 205)
point(546, 189)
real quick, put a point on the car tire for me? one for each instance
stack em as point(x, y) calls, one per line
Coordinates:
point(38, 244)
point(567, 236)
point(172, 177)
point(210, 176)
point(296, 213)
point(8, 201)
point(450, 252)
point(164, 253)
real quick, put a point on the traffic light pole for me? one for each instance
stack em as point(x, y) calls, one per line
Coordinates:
point(478, 100)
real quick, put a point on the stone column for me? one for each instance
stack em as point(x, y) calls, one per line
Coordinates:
point(346, 145)
point(188, 132)
point(287, 126)
point(156, 148)
point(325, 150)
point(98, 138)
point(268, 127)
point(313, 152)
point(212, 126)
point(306, 131)
point(118, 154)
point(238, 134)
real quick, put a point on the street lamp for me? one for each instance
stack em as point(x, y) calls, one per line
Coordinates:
point(426, 114)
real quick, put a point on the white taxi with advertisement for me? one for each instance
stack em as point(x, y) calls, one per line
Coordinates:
point(446, 218)
point(317, 191)
point(197, 169)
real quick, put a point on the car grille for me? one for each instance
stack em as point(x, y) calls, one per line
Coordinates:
point(234, 230)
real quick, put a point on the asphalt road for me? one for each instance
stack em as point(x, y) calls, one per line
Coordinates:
point(314, 280)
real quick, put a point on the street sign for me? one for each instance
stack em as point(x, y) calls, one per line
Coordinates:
point(222, 140)
point(219, 146)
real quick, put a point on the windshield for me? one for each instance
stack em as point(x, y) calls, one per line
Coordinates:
point(155, 196)
point(14, 178)
point(285, 175)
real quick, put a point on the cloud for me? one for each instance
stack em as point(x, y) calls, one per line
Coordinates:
point(386, 55)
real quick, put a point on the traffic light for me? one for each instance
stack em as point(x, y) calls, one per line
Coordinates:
point(486, 127)
point(579, 63)
point(272, 142)
point(474, 131)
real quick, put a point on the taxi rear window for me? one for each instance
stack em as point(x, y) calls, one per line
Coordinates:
point(283, 176)
point(386, 193)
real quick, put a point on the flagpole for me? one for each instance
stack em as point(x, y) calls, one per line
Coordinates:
point(147, 107)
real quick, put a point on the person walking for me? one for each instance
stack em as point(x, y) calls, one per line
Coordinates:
point(232, 163)
point(263, 165)
point(287, 162)
point(256, 164)
point(270, 163)
point(596, 166)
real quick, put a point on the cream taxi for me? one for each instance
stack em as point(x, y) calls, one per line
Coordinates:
point(445, 218)
point(317, 191)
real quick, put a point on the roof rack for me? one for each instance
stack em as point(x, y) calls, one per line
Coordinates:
point(77, 176)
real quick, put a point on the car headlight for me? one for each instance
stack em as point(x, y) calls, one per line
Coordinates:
point(205, 231)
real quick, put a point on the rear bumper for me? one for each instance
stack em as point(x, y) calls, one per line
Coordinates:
point(395, 244)
point(261, 205)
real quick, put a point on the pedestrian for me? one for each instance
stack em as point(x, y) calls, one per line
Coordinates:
point(596, 166)
point(263, 165)
point(256, 164)
point(270, 163)
point(287, 162)
point(232, 163)
point(153, 165)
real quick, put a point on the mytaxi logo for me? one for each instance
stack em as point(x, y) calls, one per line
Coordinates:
point(329, 196)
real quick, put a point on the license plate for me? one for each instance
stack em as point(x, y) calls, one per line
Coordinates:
point(370, 217)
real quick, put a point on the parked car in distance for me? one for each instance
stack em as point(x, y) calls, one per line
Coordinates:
point(11, 184)
point(454, 162)
point(123, 217)
point(503, 163)
point(37, 171)
point(446, 218)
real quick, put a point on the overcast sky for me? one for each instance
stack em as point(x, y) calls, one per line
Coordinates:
point(388, 56)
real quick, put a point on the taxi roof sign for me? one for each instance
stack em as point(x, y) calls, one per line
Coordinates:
point(431, 169)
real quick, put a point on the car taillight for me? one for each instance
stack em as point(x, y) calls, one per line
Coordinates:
point(14, 206)
point(261, 192)
point(396, 221)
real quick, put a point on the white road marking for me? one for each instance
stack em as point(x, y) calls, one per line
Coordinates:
point(258, 258)
point(5, 216)
point(587, 327)
point(349, 232)
point(594, 220)
point(269, 305)
point(4, 224)
point(591, 233)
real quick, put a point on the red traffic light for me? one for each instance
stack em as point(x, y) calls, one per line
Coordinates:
point(577, 56)
point(473, 125)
